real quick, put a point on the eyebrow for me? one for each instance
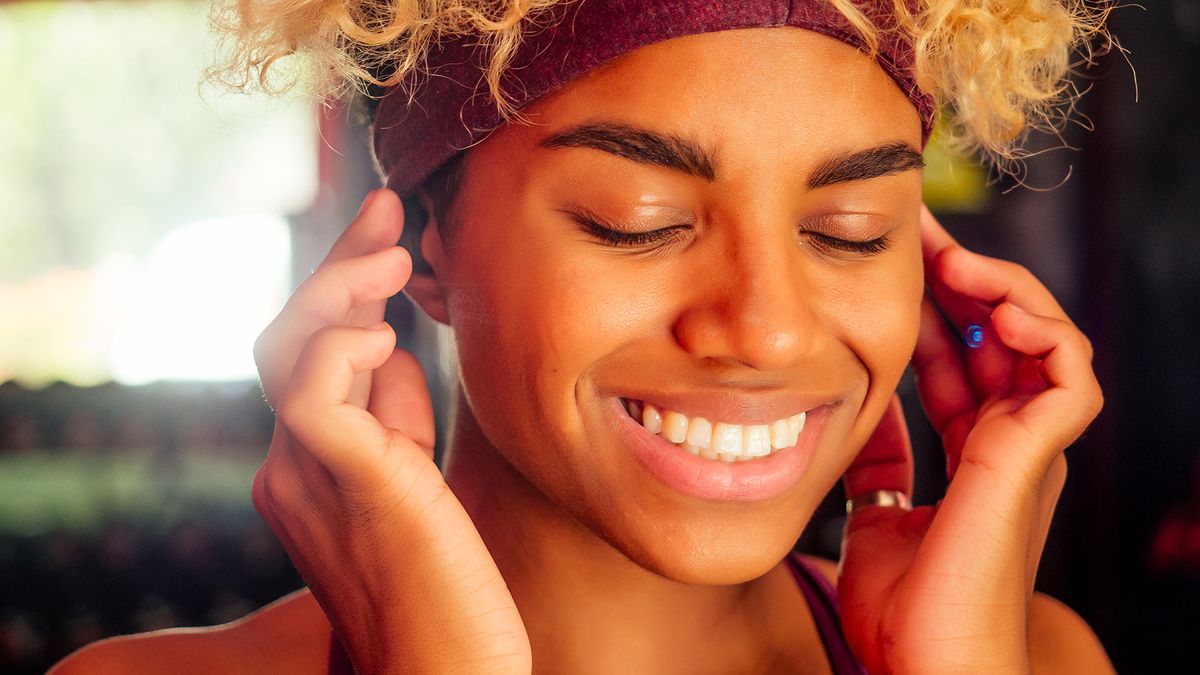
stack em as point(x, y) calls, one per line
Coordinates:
point(689, 157)
point(883, 160)
point(639, 145)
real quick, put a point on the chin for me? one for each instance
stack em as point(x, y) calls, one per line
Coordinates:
point(707, 549)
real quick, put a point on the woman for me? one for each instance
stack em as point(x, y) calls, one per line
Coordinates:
point(683, 287)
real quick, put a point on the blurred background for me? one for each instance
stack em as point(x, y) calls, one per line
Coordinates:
point(150, 227)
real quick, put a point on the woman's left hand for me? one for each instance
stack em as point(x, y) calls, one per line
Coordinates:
point(947, 588)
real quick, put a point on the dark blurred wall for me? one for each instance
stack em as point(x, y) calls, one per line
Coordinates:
point(1147, 199)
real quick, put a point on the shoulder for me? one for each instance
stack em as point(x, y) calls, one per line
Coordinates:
point(1060, 641)
point(289, 635)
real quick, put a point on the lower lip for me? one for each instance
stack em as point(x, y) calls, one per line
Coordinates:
point(749, 481)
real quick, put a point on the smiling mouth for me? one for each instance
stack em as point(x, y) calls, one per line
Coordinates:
point(720, 441)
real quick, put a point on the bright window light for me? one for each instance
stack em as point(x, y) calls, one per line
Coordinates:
point(192, 311)
point(142, 215)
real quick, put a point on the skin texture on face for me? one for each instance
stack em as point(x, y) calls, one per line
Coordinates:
point(750, 299)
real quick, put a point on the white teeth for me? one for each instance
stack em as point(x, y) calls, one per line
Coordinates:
point(780, 436)
point(727, 438)
point(720, 441)
point(756, 442)
point(652, 419)
point(674, 426)
point(699, 432)
point(795, 426)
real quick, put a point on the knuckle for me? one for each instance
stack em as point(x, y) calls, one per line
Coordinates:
point(324, 337)
point(258, 493)
point(1017, 270)
point(263, 347)
point(290, 412)
point(1097, 400)
point(270, 494)
point(322, 342)
point(1088, 348)
point(281, 493)
point(336, 268)
point(1081, 342)
point(1091, 402)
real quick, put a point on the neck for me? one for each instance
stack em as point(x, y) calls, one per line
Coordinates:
point(589, 608)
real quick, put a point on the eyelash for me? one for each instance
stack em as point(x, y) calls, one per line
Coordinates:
point(633, 239)
point(869, 247)
point(628, 239)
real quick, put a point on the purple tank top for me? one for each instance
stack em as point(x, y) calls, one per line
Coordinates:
point(822, 602)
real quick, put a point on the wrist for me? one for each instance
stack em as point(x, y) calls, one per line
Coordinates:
point(981, 657)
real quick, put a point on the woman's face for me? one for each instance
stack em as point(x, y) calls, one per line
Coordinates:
point(722, 225)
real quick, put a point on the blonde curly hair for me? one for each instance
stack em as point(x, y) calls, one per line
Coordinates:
point(997, 68)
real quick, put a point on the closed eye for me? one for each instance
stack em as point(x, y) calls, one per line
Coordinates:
point(827, 243)
point(624, 238)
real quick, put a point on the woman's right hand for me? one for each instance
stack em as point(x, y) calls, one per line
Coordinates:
point(349, 485)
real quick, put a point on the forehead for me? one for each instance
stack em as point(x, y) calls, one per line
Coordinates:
point(745, 91)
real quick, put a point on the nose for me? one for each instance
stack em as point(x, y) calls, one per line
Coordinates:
point(751, 307)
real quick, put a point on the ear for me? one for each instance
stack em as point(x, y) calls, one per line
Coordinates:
point(425, 287)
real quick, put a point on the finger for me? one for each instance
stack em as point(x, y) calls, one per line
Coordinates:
point(375, 229)
point(990, 366)
point(992, 281)
point(885, 462)
point(1073, 398)
point(400, 399)
point(944, 384)
point(378, 225)
point(314, 409)
point(949, 270)
point(940, 366)
point(1028, 379)
point(934, 237)
point(326, 299)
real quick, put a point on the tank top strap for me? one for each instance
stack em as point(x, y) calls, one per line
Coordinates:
point(823, 603)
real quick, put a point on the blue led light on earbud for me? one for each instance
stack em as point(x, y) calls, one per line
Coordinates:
point(973, 336)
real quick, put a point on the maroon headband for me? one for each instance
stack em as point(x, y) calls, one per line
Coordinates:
point(451, 109)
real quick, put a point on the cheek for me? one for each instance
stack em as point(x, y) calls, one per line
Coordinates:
point(530, 322)
point(880, 318)
point(876, 319)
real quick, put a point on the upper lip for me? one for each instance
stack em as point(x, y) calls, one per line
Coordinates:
point(735, 406)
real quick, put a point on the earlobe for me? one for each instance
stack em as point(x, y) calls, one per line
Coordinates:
point(425, 286)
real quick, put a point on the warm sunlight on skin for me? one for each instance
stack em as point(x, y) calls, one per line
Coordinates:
point(723, 227)
point(746, 314)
